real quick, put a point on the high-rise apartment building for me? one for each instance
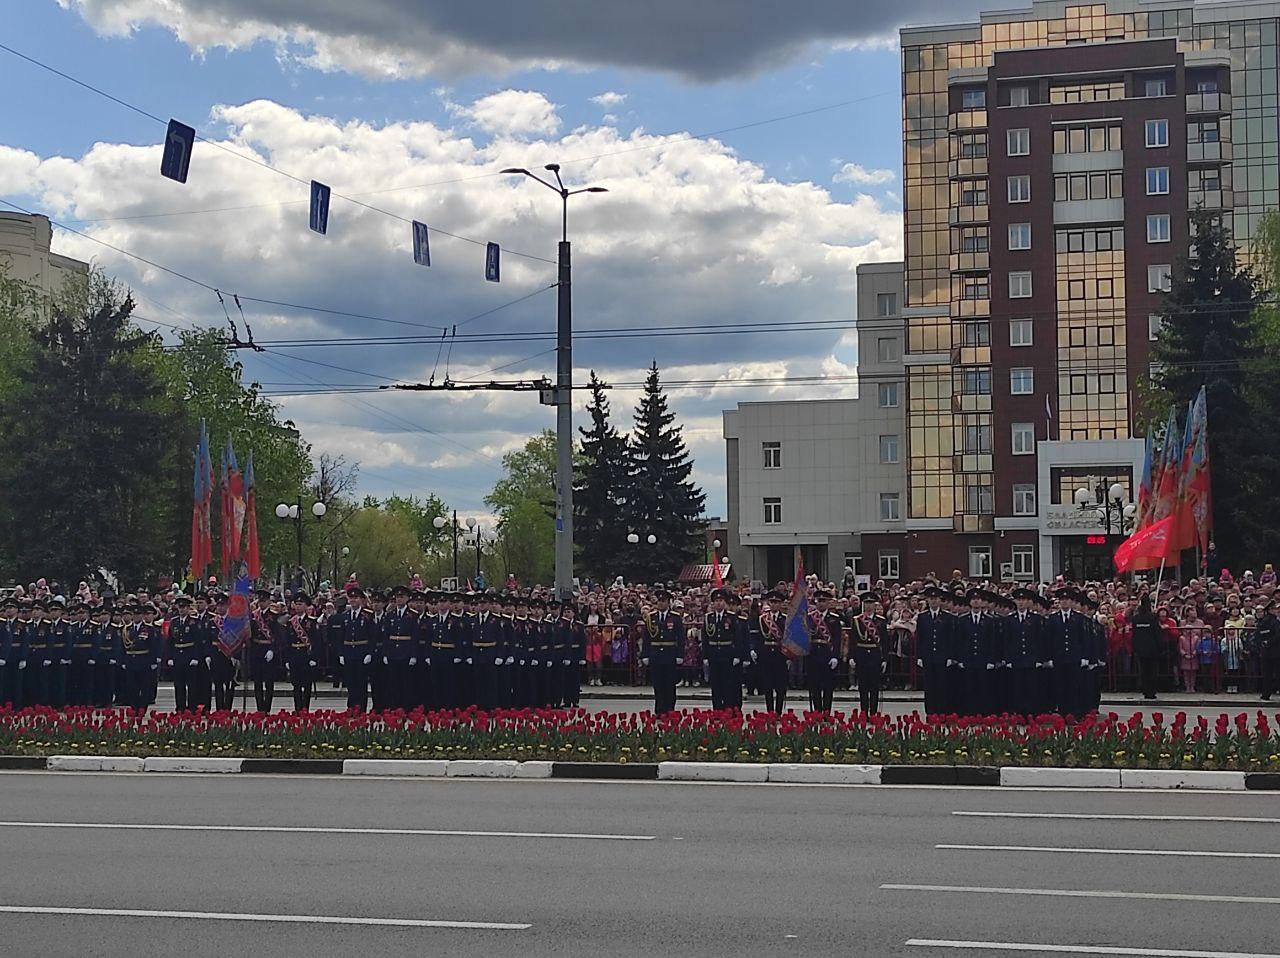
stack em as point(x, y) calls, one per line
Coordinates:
point(1051, 157)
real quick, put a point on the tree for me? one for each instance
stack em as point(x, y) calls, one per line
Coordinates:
point(1211, 335)
point(383, 547)
point(661, 498)
point(524, 500)
point(600, 489)
point(85, 434)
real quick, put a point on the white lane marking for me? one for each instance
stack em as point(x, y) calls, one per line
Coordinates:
point(1082, 949)
point(1080, 893)
point(300, 829)
point(1074, 816)
point(287, 919)
point(1170, 853)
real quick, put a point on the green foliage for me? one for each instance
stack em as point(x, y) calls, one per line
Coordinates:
point(599, 498)
point(524, 500)
point(420, 514)
point(1213, 335)
point(384, 548)
point(661, 498)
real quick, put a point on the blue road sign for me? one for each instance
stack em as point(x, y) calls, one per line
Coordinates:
point(319, 207)
point(492, 266)
point(421, 251)
point(178, 142)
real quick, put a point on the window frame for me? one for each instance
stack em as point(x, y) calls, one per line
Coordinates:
point(1016, 375)
point(766, 448)
point(1159, 126)
point(1021, 429)
point(890, 508)
point(1019, 551)
point(1021, 228)
point(1023, 323)
point(1157, 170)
point(1155, 219)
point(1017, 141)
point(1168, 277)
point(1024, 492)
point(892, 388)
point(1020, 275)
point(889, 564)
point(768, 505)
point(1020, 180)
point(983, 570)
point(895, 440)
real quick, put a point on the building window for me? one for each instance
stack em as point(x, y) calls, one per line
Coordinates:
point(975, 334)
point(1157, 180)
point(1019, 285)
point(973, 146)
point(887, 349)
point(1159, 278)
point(1024, 499)
point(974, 239)
point(889, 508)
point(888, 395)
point(1018, 142)
point(888, 448)
point(1022, 381)
point(1157, 133)
point(1020, 189)
point(1019, 236)
point(772, 511)
point(1019, 96)
point(1158, 228)
point(1206, 86)
point(887, 564)
point(1091, 139)
point(980, 500)
point(975, 381)
point(979, 562)
point(1024, 562)
point(1024, 439)
point(973, 99)
point(975, 288)
point(1158, 87)
point(977, 439)
point(1020, 332)
point(1154, 322)
point(772, 454)
point(886, 304)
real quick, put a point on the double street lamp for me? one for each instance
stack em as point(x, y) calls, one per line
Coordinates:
point(1114, 513)
point(293, 513)
point(473, 525)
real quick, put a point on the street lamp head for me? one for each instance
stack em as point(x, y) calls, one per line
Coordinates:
point(715, 544)
point(1083, 496)
point(597, 189)
point(319, 509)
point(1130, 511)
point(651, 539)
point(553, 167)
point(632, 538)
point(282, 511)
point(471, 522)
point(439, 522)
point(293, 511)
point(516, 169)
point(346, 551)
point(1116, 492)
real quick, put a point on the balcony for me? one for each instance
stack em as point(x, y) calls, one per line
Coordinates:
point(970, 308)
point(963, 522)
point(1218, 151)
point(968, 215)
point(1208, 103)
point(967, 167)
point(1210, 199)
point(970, 262)
point(967, 120)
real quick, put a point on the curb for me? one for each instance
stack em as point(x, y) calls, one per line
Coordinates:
point(730, 772)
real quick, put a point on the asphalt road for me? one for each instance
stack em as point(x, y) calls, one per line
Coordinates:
point(553, 868)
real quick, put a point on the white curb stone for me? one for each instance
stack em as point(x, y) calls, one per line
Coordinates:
point(1174, 778)
point(533, 770)
point(466, 768)
point(1060, 777)
point(825, 774)
point(416, 768)
point(93, 763)
point(712, 772)
point(165, 764)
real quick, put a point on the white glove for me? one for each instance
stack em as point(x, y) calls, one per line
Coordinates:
point(342, 660)
point(385, 660)
point(919, 663)
point(412, 661)
point(1049, 664)
point(208, 662)
point(367, 659)
point(46, 663)
point(469, 662)
point(679, 661)
point(91, 662)
point(499, 660)
point(1084, 663)
point(195, 663)
point(960, 665)
point(512, 658)
point(737, 661)
point(457, 661)
point(753, 655)
point(884, 666)
point(111, 661)
point(533, 661)
point(2, 663)
point(64, 661)
point(950, 662)
point(550, 663)
point(312, 664)
point(270, 655)
point(582, 661)
point(155, 667)
point(565, 662)
point(644, 662)
point(1039, 665)
point(171, 663)
point(833, 663)
point(21, 666)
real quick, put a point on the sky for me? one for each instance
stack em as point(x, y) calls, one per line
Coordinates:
point(409, 109)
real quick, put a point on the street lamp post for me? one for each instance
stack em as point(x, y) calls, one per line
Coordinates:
point(293, 513)
point(440, 522)
point(477, 531)
point(563, 395)
point(1113, 512)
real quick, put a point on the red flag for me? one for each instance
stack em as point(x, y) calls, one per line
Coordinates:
point(1148, 547)
point(225, 518)
point(716, 581)
point(251, 507)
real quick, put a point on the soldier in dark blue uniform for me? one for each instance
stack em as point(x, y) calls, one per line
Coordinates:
point(13, 655)
point(1024, 654)
point(864, 649)
point(775, 671)
point(1094, 653)
point(933, 649)
point(141, 648)
point(720, 652)
point(508, 671)
point(82, 644)
point(571, 643)
point(524, 651)
point(823, 658)
point(1268, 640)
point(662, 651)
point(488, 653)
point(186, 652)
point(265, 648)
point(443, 655)
point(1066, 637)
point(974, 645)
point(300, 652)
point(58, 639)
point(399, 649)
point(743, 645)
point(213, 665)
point(359, 643)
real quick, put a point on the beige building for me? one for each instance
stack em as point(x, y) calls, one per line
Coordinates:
point(25, 254)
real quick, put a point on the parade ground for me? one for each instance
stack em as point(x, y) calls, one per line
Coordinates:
point(276, 865)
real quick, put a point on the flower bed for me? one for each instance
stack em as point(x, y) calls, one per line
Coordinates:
point(1235, 744)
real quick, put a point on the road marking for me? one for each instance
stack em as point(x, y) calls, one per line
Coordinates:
point(1082, 949)
point(1168, 853)
point(287, 919)
point(1078, 893)
point(299, 829)
point(1234, 819)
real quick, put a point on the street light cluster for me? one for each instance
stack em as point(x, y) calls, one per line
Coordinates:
point(635, 539)
point(286, 511)
point(1110, 505)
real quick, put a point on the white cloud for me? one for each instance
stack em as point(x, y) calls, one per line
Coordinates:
point(690, 233)
point(512, 113)
point(859, 175)
point(609, 98)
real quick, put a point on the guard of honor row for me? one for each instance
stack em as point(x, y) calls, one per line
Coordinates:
point(977, 652)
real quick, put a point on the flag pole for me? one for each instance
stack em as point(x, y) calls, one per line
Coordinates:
point(1159, 576)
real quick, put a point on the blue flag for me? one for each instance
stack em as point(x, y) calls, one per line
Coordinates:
point(235, 624)
point(421, 249)
point(795, 637)
point(491, 264)
point(319, 207)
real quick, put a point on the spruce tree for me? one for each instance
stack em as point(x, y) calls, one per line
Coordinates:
point(662, 500)
point(1210, 336)
point(599, 493)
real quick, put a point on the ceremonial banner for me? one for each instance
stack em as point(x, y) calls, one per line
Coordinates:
point(795, 637)
point(252, 556)
point(1147, 548)
point(235, 624)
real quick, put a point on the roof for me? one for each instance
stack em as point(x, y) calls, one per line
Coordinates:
point(697, 574)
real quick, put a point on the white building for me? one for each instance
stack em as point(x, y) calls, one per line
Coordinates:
point(25, 254)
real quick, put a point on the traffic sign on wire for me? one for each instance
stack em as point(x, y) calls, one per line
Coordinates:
point(176, 161)
point(319, 207)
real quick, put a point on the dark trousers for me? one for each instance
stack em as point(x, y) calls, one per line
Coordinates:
point(1149, 675)
point(555, 683)
point(1066, 685)
point(105, 679)
point(822, 682)
point(137, 688)
point(571, 689)
point(870, 675)
point(187, 681)
point(484, 675)
point(302, 677)
point(936, 699)
point(356, 676)
point(397, 687)
point(264, 692)
point(775, 676)
point(11, 685)
point(1270, 683)
point(56, 685)
point(442, 679)
point(1023, 690)
point(663, 675)
point(723, 678)
point(79, 683)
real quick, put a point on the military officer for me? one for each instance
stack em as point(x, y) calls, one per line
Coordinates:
point(1024, 653)
point(358, 646)
point(933, 649)
point(13, 655)
point(1067, 651)
point(489, 653)
point(265, 643)
point(571, 645)
point(864, 648)
point(662, 651)
point(721, 655)
point(775, 669)
point(300, 651)
point(141, 651)
point(186, 653)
